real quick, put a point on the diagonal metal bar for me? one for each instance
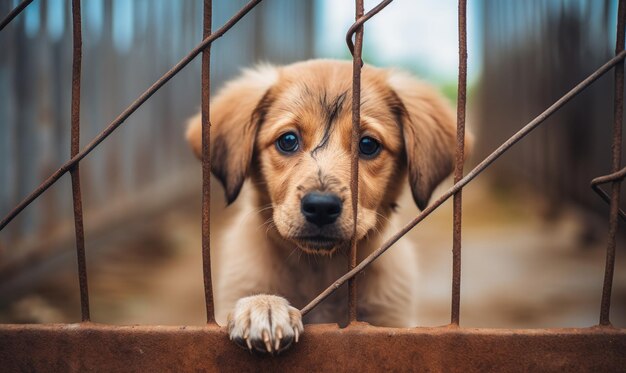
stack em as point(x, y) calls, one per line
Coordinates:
point(14, 13)
point(618, 114)
point(469, 177)
point(74, 171)
point(206, 166)
point(126, 113)
point(459, 161)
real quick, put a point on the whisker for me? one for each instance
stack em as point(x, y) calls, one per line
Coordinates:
point(291, 253)
point(269, 226)
point(248, 214)
point(268, 222)
point(382, 216)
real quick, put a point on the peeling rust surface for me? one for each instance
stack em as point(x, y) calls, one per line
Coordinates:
point(360, 347)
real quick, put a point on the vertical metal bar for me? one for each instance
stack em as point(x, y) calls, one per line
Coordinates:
point(354, 152)
point(618, 111)
point(206, 165)
point(458, 169)
point(17, 10)
point(74, 171)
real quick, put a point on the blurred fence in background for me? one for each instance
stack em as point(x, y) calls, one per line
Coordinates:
point(534, 51)
point(127, 46)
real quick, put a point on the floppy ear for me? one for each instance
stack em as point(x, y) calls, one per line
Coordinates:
point(429, 130)
point(236, 113)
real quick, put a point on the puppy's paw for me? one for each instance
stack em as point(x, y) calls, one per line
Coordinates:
point(264, 323)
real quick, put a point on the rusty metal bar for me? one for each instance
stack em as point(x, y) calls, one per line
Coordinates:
point(12, 14)
point(618, 112)
point(126, 113)
point(458, 168)
point(469, 177)
point(595, 185)
point(357, 62)
point(206, 165)
point(360, 348)
point(74, 171)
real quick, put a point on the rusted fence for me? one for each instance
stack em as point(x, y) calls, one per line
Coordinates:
point(450, 348)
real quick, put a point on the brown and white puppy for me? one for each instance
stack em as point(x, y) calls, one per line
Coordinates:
point(288, 129)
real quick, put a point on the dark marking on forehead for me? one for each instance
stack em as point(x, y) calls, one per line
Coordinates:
point(320, 178)
point(331, 111)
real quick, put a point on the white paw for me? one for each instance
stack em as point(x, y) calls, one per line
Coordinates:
point(264, 323)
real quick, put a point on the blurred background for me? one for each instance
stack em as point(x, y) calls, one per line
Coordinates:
point(534, 233)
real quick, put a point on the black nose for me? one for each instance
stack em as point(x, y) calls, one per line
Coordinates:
point(321, 209)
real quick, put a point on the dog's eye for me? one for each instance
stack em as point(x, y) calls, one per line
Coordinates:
point(287, 142)
point(369, 147)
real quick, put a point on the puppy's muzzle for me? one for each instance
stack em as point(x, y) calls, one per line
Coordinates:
point(320, 208)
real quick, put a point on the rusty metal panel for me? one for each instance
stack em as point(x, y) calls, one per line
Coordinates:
point(360, 347)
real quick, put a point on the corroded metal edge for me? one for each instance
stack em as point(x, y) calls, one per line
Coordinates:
point(88, 346)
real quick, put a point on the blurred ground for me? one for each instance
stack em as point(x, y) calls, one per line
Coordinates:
point(520, 268)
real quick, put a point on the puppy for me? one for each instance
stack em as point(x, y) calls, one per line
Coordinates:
point(288, 130)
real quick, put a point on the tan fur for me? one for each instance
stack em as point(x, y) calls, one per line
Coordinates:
point(263, 252)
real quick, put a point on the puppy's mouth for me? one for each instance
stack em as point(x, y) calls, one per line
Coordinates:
point(318, 244)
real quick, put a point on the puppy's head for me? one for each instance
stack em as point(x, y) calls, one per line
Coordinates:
point(289, 128)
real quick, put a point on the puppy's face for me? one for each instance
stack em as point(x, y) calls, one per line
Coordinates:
point(303, 150)
point(291, 128)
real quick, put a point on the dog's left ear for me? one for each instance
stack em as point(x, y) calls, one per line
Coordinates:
point(429, 130)
point(236, 113)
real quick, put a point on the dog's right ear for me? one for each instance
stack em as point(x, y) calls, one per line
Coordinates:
point(429, 128)
point(236, 113)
